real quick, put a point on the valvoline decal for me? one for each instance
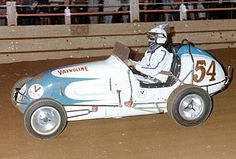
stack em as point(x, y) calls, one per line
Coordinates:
point(186, 49)
point(72, 71)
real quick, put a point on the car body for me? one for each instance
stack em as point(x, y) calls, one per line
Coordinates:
point(110, 89)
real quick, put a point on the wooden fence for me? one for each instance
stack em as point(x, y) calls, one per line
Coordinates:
point(31, 43)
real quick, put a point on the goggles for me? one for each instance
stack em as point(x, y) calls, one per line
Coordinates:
point(154, 36)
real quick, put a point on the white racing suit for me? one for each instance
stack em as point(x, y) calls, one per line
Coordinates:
point(155, 60)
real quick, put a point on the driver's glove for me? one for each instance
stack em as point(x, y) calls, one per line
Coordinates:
point(130, 62)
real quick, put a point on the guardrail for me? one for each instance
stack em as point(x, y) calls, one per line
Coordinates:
point(31, 43)
point(134, 9)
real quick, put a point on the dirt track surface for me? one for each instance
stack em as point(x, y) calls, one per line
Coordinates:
point(142, 137)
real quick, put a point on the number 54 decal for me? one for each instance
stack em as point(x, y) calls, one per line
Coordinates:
point(205, 71)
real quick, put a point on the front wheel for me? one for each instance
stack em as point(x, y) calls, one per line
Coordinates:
point(45, 119)
point(189, 105)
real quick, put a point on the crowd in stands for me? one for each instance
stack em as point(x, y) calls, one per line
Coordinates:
point(90, 6)
point(3, 10)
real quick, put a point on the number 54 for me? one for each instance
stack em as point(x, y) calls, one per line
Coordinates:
point(204, 71)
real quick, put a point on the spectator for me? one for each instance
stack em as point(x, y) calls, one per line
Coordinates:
point(110, 6)
point(152, 17)
point(143, 16)
point(149, 17)
point(20, 10)
point(122, 18)
point(30, 10)
point(57, 9)
point(201, 15)
point(171, 5)
point(93, 7)
point(168, 6)
point(43, 20)
point(191, 15)
point(125, 17)
point(79, 9)
point(3, 11)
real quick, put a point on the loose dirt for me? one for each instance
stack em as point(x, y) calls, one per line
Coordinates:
point(141, 137)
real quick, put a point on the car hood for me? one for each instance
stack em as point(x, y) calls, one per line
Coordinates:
point(91, 69)
point(56, 83)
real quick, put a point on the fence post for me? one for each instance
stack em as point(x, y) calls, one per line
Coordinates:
point(182, 12)
point(67, 16)
point(134, 11)
point(11, 13)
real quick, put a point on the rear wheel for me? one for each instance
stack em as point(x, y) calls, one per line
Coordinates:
point(45, 119)
point(189, 105)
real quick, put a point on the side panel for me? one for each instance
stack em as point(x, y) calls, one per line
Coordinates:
point(207, 71)
point(98, 90)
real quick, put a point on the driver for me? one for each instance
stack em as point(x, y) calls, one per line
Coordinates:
point(156, 57)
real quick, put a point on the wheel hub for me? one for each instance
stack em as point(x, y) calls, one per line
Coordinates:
point(45, 120)
point(191, 107)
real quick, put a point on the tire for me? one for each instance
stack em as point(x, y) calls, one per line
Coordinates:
point(45, 119)
point(17, 86)
point(189, 105)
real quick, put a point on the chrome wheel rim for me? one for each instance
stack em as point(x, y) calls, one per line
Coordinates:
point(45, 120)
point(191, 107)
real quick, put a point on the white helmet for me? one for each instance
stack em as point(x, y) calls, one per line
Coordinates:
point(157, 35)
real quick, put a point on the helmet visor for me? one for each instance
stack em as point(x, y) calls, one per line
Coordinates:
point(154, 36)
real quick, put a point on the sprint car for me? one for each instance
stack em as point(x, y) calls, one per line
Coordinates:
point(110, 89)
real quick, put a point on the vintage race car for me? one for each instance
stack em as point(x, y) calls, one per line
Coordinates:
point(110, 89)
